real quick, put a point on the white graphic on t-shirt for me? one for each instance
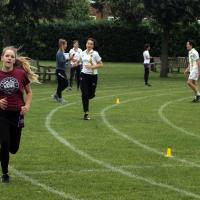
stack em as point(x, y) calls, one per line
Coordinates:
point(9, 85)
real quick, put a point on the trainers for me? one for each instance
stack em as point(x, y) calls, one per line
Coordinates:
point(5, 178)
point(147, 84)
point(194, 100)
point(86, 117)
point(69, 89)
point(62, 101)
point(55, 97)
point(198, 98)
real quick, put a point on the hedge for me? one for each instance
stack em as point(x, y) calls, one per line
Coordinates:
point(116, 41)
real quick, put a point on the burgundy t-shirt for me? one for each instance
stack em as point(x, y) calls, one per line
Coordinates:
point(12, 86)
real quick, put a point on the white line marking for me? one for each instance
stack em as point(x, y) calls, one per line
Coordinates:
point(134, 141)
point(107, 165)
point(167, 121)
point(45, 98)
point(83, 171)
point(43, 186)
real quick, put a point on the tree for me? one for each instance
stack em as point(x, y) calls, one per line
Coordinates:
point(79, 11)
point(29, 13)
point(131, 10)
point(99, 4)
point(167, 13)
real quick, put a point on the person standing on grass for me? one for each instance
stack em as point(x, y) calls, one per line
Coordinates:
point(15, 77)
point(61, 67)
point(75, 67)
point(89, 74)
point(147, 59)
point(194, 70)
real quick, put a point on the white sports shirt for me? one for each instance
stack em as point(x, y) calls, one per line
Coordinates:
point(76, 53)
point(193, 57)
point(146, 56)
point(85, 57)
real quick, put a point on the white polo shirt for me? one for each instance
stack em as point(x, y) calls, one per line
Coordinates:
point(193, 57)
point(76, 53)
point(85, 57)
point(146, 56)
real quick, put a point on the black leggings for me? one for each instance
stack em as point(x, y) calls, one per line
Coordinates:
point(62, 82)
point(10, 136)
point(76, 70)
point(88, 89)
point(146, 73)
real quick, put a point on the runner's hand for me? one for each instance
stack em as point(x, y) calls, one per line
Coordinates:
point(89, 66)
point(24, 109)
point(3, 103)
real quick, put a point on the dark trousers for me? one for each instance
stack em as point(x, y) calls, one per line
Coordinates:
point(77, 72)
point(62, 82)
point(10, 136)
point(146, 73)
point(88, 89)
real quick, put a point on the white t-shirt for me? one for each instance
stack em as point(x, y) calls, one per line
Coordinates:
point(193, 57)
point(86, 57)
point(146, 56)
point(76, 53)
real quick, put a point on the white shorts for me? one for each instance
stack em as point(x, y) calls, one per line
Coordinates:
point(194, 75)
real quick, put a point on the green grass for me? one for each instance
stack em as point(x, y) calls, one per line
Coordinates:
point(113, 159)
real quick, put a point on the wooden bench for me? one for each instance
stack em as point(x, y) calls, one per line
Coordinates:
point(44, 72)
point(155, 64)
point(177, 63)
point(50, 71)
point(182, 63)
point(173, 64)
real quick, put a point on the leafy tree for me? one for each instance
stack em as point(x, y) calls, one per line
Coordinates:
point(167, 14)
point(79, 11)
point(29, 13)
point(99, 4)
point(131, 10)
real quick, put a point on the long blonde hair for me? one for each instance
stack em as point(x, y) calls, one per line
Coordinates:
point(23, 62)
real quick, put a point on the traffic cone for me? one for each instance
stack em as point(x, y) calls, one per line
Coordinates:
point(117, 101)
point(169, 152)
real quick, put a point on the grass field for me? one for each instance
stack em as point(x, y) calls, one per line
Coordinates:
point(120, 153)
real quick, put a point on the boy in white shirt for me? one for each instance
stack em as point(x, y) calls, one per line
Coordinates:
point(194, 69)
point(147, 58)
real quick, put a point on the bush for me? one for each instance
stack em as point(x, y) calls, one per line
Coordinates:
point(117, 41)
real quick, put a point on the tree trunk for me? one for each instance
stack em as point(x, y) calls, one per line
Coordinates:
point(164, 53)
